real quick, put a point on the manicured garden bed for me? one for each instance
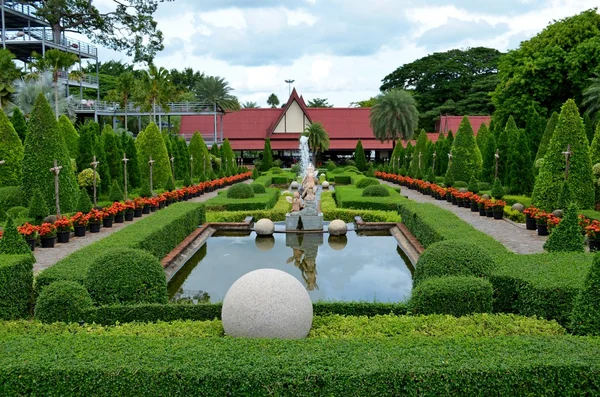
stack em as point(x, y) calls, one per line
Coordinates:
point(260, 201)
point(331, 211)
point(276, 214)
point(351, 197)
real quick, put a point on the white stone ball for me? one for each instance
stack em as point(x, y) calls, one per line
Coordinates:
point(337, 228)
point(264, 227)
point(518, 207)
point(264, 243)
point(294, 185)
point(337, 243)
point(267, 303)
point(325, 185)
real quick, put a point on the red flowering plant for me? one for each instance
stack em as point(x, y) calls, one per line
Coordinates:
point(96, 216)
point(129, 206)
point(47, 230)
point(111, 211)
point(118, 208)
point(139, 202)
point(63, 224)
point(28, 231)
point(552, 221)
point(80, 219)
point(475, 199)
point(593, 230)
point(152, 201)
point(583, 223)
point(531, 212)
point(498, 205)
point(541, 217)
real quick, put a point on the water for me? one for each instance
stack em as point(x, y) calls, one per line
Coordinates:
point(305, 155)
point(355, 268)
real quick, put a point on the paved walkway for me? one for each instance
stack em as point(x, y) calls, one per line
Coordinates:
point(514, 236)
point(46, 257)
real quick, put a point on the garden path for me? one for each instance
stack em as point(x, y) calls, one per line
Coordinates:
point(512, 235)
point(46, 257)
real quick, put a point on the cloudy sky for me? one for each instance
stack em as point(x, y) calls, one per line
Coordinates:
point(335, 49)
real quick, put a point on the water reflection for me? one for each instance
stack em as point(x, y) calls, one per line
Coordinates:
point(305, 248)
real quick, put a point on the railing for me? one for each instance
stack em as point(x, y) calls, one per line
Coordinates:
point(37, 34)
point(21, 8)
point(86, 78)
point(172, 107)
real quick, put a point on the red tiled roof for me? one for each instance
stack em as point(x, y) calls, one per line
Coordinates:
point(451, 123)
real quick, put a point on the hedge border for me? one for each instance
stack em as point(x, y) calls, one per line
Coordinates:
point(260, 201)
point(350, 197)
point(16, 286)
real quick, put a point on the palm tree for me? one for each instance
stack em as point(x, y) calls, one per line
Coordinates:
point(591, 98)
point(9, 72)
point(27, 90)
point(394, 116)
point(250, 105)
point(318, 139)
point(217, 92)
point(319, 103)
point(155, 89)
point(54, 61)
point(273, 100)
point(125, 86)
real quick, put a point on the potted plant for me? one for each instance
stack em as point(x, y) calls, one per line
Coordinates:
point(80, 222)
point(530, 217)
point(29, 233)
point(95, 220)
point(63, 229)
point(592, 231)
point(541, 219)
point(47, 233)
point(109, 216)
point(138, 207)
point(119, 210)
point(146, 208)
point(498, 208)
point(475, 203)
point(129, 209)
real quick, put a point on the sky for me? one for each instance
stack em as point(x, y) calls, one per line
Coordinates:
point(335, 49)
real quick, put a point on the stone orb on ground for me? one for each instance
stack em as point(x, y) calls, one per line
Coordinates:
point(267, 303)
point(294, 185)
point(325, 185)
point(264, 227)
point(518, 207)
point(337, 228)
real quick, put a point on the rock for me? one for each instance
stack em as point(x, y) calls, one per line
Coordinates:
point(267, 303)
point(264, 227)
point(558, 213)
point(463, 190)
point(325, 185)
point(337, 243)
point(337, 228)
point(264, 243)
point(50, 219)
point(518, 207)
point(294, 185)
point(486, 196)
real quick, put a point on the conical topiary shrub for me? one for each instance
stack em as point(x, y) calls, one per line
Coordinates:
point(12, 243)
point(11, 151)
point(466, 156)
point(38, 209)
point(116, 193)
point(19, 123)
point(201, 158)
point(84, 204)
point(150, 144)
point(497, 189)
point(566, 237)
point(70, 135)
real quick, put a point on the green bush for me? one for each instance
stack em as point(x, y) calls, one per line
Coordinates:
point(359, 157)
point(170, 184)
point(258, 188)
point(276, 214)
point(454, 295)
point(64, 301)
point(473, 184)
point(352, 198)
point(453, 258)
point(38, 209)
point(201, 164)
point(484, 186)
point(514, 215)
point(11, 196)
point(342, 179)
point(466, 156)
point(116, 193)
point(331, 165)
point(364, 182)
point(375, 191)
point(460, 184)
point(70, 136)
point(126, 276)
point(150, 144)
point(86, 178)
point(240, 191)
point(262, 201)
point(16, 285)
point(497, 190)
point(17, 212)
point(84, 204)
point(19, 123)
point(331, 211)
point(566, 237)
point(275, 170)
point(11, 151)
point(280, 180)
point(264, 180)
point(267, 156)
point(12, 243)
point(585, 318)
point(511, 199)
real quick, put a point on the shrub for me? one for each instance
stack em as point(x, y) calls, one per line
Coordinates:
point(342, 179)
point(113, 153)
point(497, 190)
point(201, 164)
point(331, 165)
point(548, 133)
point(567, 235)
point(38, 209)
point(116, 193)
point(170, 185)
point(86, 178)
point(275, 170)
point(10, 196)
point(585, 318)
point(84, 204)
point(565, 198)
point(280, 180)
point(375, 191)
point(364, 182)
point(449, 179)
point(267, 156)
point(11, 150)
point(64, 301)
point(460, 184)
point(453, 258)
point(258, 188)
point(19, 123)
point(69, 134)
point(16, 285)
point(359, 156)
point(331, 211)
point(484, 186)
point(240, 191)
point(519, 165)
point(126, 276)
point(150, 143)
point(12, 243)
point(473, 185)
point(466, 156)
point(456, 295)
point(17, 212)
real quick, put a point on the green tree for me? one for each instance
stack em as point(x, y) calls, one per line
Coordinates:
point(38, 209)
point(98, 150)
point(595, 147)
point(397, 158)
point(548, 133)
point(359, 156)
point(9, 72)
point(18, 121)
point(228, 157)
point(70, 135)
point(87, 139)
point(466, 156)
point(201, 157)
point(534, 128)
point(318, 139)
point(250, 105)
point(569, 131)
point(54, 61)
point(267, 157)
point(318, 103)
point(519, 166)
point(591, 97)
point(182, 160)
point(488, 172)
point(483, 134)
point(84, 204)
point(567, 236)
point(394, 116)
point(273, 101)
point(589, 127)
point(585, 317)
point(125, 88)
point(114, 155)
point(420, 149)
point(442, 148)
point(154, 90)
point(11, 152)
point(133, 167)
point(549, 68)
point(217, 92)
point(498, 190)
point(150, 144)
point(507, 136)
point(12, 243)
point(43, 145)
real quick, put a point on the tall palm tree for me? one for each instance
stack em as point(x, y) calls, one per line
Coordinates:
point(394, 115)
point(318, 139)
point(9, 72)
point(273, 100)
point(591, 98)
point(54, 61)
point(250, 105)
point(217, 92)
point(125, 86)
point(155, 88)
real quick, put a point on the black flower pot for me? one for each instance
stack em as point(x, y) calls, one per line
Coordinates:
point(128, 216)
point(474, 207)
point(489, 213)
point(146, 210)
point(63, 237)
point(594, 245)
point(168, 202)
point(530, 223)
point(119, 218)
point(467, 203)
point(79, 231)
point(48, 242)
point(107, 222)
point(153, 208)
point(498, 214)
point(137, 213)
point(542, 230)
point(482, 211)
point(31, 243)
point(95, 227)
point(460, 203)
point(449, 198)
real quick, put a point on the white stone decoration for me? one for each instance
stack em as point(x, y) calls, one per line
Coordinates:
point(337, 243)
point(518, 207)
point(267, 303)
point(264, 227)
point(325, 185)
point(264, 243)
point(337, 228)
point(294, 185)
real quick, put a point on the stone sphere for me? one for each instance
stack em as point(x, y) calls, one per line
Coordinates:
point(337, 243)
point(558, 213)
point(486, 196)
point(294, 185)
point(325, 185)
point(267, 303)
point(337, 228)
point(463, 190)
point(264, 243)
point(264, 227)
point(518, 207)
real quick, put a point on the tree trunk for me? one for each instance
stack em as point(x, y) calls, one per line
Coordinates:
point(125, 114)
point(56, 97)
point(56, 33)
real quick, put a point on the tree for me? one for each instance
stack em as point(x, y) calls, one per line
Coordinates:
point(114, 155)
point(267, 157)
point(125, 88)
point(133, 167)
point(150, 144)
point(9, 72)
point(126, 27)
point(100, 153)
point(154, 89)
point(318, 103)
point(595, 147)
point(519, 166)
point(394, 116)
point(367, 103)
point(549, 68)
point(466, 156)
point(397, 158)
point(201, 164)
point(182, 159)
point(43, 145)
point(359, 156)
point(86, 142)
point(589, 127)
point(12, 243)
point(591, 97)
point(250, 105)
point(548, 133)
point(420, 149)
point(567, 236)
point(585, 317)
point(454, 82)
point(488, 153)
point(217, 92)
point(19, 123)
point(534, 128)
point(273, 100)
point(11, 151)
point(442, 148)
point(228, 157)
point(318, 139)
point(70, 135)
point(569, 131)
point(507, 136)
point(483, 134)
point(27, 90)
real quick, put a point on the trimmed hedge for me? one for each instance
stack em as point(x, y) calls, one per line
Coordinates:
point(258, 188)
point(352, 198)
point(281, 180)
point(331, 212)
point(157, 366)
point(65, 301)
point(585, 319)
point(16, 286)
point(157, 234)
point(259, 202)
point(342, 180)
point(376, 191)
point(364, 182)
point(240, 191)
point(454, 295)
point(276, 214)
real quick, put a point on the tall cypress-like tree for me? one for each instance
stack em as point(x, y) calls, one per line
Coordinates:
point(408, 155)
point(548, 132)
point(133, 167)
point(267, 159)
point(228, 157)
point(569, 131)
point(589, 127)
point(489, 159)
point(595, 147)
point(201, 164)
point(19, 123)
point(150, 144)
point(420, 148)
point(182, 159)
point(519, 172)
point(397, 156)
point(43, 145)
point(11, 151)
point(534, 128)
point(466, 156)
point(114, 155)
point(70, 135)
point(86, 146)
point(442, 149)
point(483, 134)
point(98, 150)
point(508, 135)
point(359, 157)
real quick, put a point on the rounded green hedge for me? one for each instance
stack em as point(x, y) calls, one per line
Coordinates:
point(240, 191)
point(364, 182)
point(459, 184)
point(258, 188)
point(457, 296)
point(126, 276)
point(585, 317)
point(64, 301)
point(453, 258)
point(375, 191)
point(275, 170)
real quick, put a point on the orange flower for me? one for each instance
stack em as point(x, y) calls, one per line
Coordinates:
point(27, 230)
point(47, 230)
point(80, 219)
point(63, 224)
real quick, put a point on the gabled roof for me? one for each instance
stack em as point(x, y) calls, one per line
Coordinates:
point(293, 97)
